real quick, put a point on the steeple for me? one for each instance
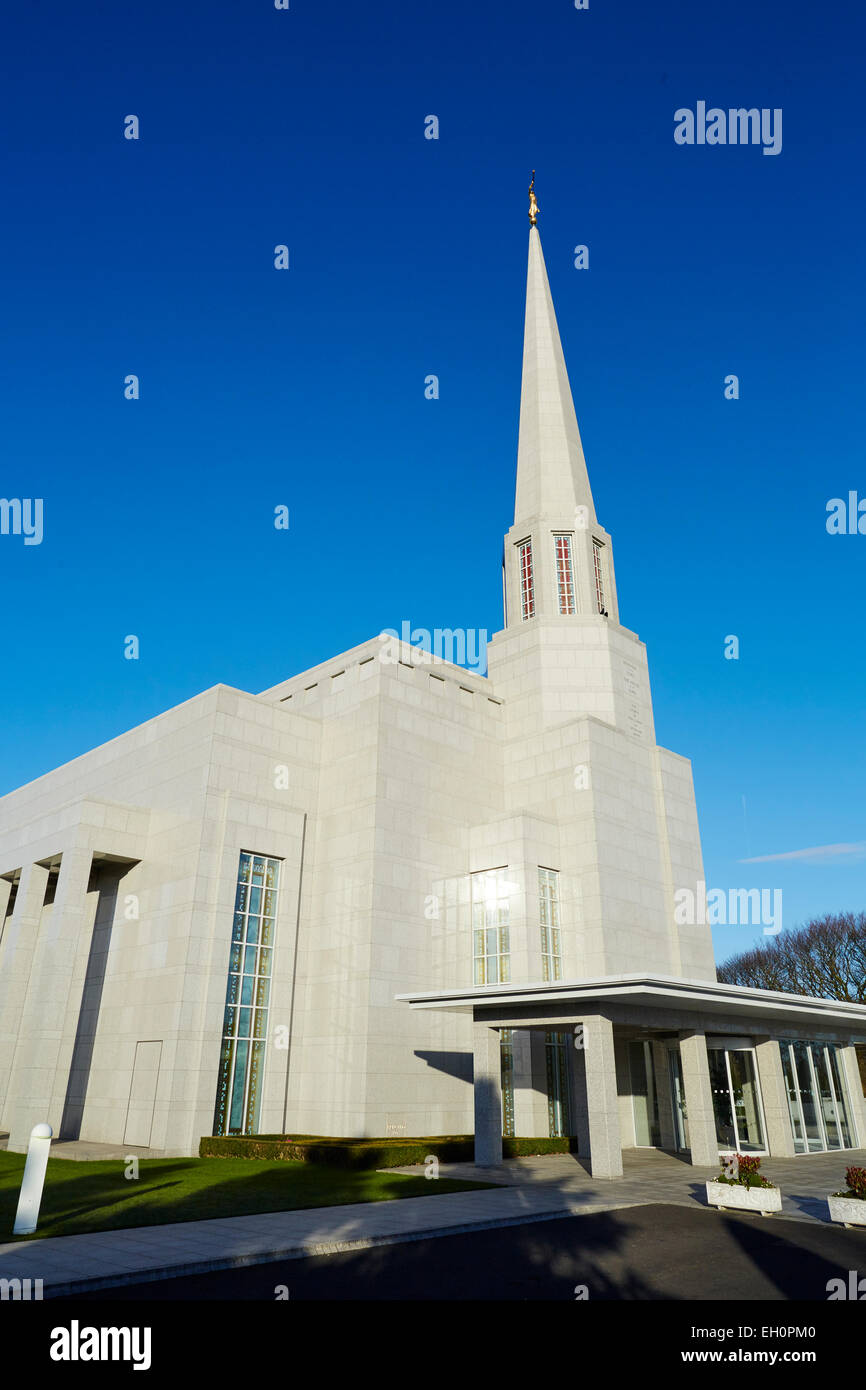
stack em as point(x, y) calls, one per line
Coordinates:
point(558, 562)
point(551, 470)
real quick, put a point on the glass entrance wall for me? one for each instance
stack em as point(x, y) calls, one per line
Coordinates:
point(837, 1081)
point(817, 1096)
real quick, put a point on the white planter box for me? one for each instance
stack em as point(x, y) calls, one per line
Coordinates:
point(737, 1198)
point(851, 1211)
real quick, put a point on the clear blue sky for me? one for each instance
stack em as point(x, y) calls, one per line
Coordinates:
point(408, 257)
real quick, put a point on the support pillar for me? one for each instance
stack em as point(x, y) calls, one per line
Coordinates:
point(602, 1102)
point(777, 1117)
point(19, 941)
point(699, 1100)
point(54, 979)
point(487, 1086)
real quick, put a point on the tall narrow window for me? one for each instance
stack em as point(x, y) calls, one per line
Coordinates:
point(598, 561)
point(548, 911)
point(527, 584)
point(245, 1023)
point(564, 574)
point(506, 1046)
point(491, 909)
point(556, 1053)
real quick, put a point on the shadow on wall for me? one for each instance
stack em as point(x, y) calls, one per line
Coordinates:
point(457, 1064)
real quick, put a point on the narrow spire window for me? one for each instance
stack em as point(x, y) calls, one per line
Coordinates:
point(527, 583)
point(598, 561)
point(564, 574)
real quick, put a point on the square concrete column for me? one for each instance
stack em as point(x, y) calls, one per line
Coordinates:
point(856, 1097)
point(777, 1117)
point(51, 991)
point(602, 1102)
point(487, 1086)
point(699, 1100)
point(19, 941)
point(664, 1092)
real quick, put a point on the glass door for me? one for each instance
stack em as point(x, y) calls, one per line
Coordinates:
point(720, 1086)
point(746, 1101)
point(736, 1099)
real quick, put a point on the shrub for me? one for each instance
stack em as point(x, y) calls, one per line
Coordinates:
point(367, 1153)
point(523, 1148)
point(856, 1180)
point(339, 1153)
point(748, 1174)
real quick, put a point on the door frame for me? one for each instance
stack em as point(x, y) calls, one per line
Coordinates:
point(728, 1045)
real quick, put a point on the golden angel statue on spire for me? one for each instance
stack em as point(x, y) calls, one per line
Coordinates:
point(533, 203)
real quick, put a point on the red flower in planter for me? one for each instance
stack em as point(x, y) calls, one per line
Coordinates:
point(856, 1180)
point(748, 1172)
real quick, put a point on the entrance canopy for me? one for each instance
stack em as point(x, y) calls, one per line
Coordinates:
point(654, 1001)
point(753, 1068)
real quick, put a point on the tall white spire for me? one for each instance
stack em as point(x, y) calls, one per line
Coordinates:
point(552, 481)
point(558, 560)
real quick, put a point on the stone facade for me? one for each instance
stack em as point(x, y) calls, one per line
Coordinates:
point(382, 780)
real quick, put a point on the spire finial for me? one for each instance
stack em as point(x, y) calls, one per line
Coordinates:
point(533, 205)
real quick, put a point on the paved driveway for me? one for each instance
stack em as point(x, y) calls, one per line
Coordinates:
point(644, 1253)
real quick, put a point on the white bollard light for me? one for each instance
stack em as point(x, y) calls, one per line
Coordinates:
point(30, 1197)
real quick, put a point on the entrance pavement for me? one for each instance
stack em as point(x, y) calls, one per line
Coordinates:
point(87, 1151)
point(527, 1190)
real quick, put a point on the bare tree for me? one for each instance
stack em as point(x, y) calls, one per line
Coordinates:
point(825, 958)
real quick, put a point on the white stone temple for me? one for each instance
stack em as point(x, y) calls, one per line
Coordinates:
point(390, 896)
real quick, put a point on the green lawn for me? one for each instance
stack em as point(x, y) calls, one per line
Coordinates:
point(85, 1197)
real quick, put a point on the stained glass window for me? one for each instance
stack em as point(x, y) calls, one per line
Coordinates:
point(527, 582)
point(564, 574)
point(598, 561)
point(245, 1022)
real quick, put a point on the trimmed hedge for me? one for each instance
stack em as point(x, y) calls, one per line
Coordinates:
point(524, 1148)
point(367, 1153)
